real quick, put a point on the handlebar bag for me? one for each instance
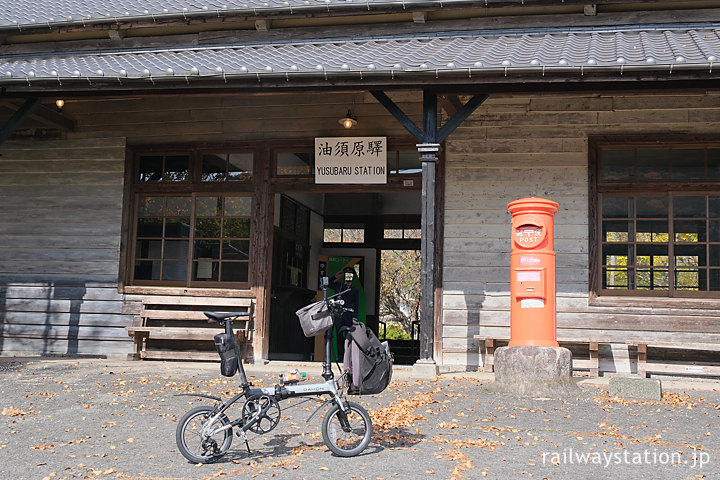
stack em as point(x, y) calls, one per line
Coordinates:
point(368, 360)
point(314, 318)
point(227, 348)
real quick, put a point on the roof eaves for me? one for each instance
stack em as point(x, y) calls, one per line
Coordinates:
point(297, 78)
point(10, 20)
point(572, 53)
point(21, 15)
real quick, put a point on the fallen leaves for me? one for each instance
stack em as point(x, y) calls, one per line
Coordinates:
point(499, 429)
point(469, 442)
point(101, 472)
point(668, 398)
point(462, 461)
point(41, 394)
point(449, 426)
point(16, 412)
point(428, 420)
point(400, 413)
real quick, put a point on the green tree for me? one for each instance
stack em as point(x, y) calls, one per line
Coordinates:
point(400, 287)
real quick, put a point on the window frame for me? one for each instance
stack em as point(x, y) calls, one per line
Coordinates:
point(300, 149)
point(164, 154)
point(343, 226)
point(195, 187)
point(666, 187)
point(403, 226)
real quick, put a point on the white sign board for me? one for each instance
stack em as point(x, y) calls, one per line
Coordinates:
point(351, 160)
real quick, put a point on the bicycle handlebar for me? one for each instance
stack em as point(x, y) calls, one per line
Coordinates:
point(338, 294)
point(220, 317)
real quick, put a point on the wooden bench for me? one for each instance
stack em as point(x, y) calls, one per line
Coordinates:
point(677, 367)
point(177, 325)
point(591, 364)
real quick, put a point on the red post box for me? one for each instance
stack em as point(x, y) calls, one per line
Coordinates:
point(532, 270)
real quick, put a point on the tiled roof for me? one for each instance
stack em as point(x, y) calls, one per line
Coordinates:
point(571, 53)
point(29, 13)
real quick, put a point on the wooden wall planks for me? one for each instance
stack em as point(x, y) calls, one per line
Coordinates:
point(59, 247)
point(512, 147)
point(237, 118)
point(537, 146)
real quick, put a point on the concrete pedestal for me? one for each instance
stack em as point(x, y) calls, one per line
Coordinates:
point(634, 388)
point(534, 372)
point(425, 369)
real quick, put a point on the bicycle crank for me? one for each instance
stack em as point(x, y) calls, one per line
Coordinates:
point(260, 414)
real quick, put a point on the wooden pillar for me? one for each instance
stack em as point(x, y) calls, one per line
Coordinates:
point(428, 157)
point(430, 137)
point(262, 240)
point(427, 245)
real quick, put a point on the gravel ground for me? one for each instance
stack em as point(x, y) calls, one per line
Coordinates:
point(65, 418)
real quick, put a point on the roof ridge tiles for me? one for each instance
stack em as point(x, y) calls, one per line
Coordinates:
point(34, 14)
point(55, 13)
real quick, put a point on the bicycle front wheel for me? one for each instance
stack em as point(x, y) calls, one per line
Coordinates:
point(347, 433)
point(194, 444)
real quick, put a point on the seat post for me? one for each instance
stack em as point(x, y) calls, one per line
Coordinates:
point(244, 384)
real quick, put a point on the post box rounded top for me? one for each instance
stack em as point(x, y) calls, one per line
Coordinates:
point(533, 205)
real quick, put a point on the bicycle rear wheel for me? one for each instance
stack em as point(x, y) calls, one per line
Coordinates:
point(347, 434)
point(195, 446)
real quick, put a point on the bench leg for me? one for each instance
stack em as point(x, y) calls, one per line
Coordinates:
point(489, 355)
point(642, 360)
point(594, 360)
point(143, 345)
point(137, 347)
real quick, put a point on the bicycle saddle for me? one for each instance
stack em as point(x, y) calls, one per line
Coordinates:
point(219, 316)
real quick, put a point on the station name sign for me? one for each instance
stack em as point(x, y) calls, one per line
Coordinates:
point(344, 160)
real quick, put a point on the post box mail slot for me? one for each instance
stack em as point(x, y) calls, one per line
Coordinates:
point(529, 236)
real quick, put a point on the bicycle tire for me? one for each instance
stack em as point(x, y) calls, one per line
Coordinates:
point(188, 436)
point(347, 443)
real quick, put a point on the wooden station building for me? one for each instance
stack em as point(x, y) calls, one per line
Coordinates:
point(179, 175)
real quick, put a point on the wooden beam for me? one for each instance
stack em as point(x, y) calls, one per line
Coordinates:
point(399, 115)
point(450, 103)
point(464, 112)
point(46, 115)
point(52, 117)
point(429, 139)
point(18, 117)
point(429, 134)
point(419, 17)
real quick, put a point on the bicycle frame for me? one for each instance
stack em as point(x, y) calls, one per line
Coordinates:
point(278, 392)
point(346, 428)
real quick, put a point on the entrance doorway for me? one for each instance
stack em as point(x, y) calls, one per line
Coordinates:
point(400, 303)
point(356, 227)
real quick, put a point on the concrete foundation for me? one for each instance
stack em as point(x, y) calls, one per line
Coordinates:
point(636, 388)
point(425, 369)
point(534, 372)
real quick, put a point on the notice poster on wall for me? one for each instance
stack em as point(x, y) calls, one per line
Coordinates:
point(346, 160)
